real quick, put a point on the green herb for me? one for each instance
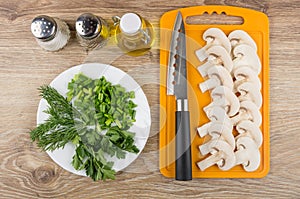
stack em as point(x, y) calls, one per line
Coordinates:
point(113, 105)
point(97, 105)
point(59, 128)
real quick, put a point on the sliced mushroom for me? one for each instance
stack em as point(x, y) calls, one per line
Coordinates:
point(224, 157)
point(217, 55)
point(247, 128)
point(245, 55)
point(247, 154)
point(244, 74)
point(248, 111)
point(217, 114)
point(249, 91)
point(218, 75)
point(224, 97)
point(218, 131)
point(203, 130)
point(237, 37)
point(213, 36)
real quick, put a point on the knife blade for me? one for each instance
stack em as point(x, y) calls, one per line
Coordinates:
point(177, 85)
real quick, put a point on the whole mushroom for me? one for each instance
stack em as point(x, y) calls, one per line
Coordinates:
point(244, 74)
point(247, 154)
point(213, 36)
point(217, 55)
point(224, 97)
point(245, 55)
point(218, 76)
point(218, 131)
point(249, 91)
point(248, 111)
point(237, 37)
point(224, 156)
point(217, 114)
point(247, 128)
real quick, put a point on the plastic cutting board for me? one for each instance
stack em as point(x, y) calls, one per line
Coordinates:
point(257, 26)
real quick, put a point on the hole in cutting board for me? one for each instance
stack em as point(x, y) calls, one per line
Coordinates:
point(214, 18)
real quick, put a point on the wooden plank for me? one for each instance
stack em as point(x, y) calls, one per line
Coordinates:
point(26, 172)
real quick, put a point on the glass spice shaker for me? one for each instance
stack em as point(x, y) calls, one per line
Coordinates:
point(133, 34)
point(91, 31)
point(52, 34)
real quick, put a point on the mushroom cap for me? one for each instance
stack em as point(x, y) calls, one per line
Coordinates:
point(228, 157)
point(249, 91)
point(247, 154)
point(224, 97)
point(237, 37)
point(248, 128)
point(221, 74)
point(217, 37)
point(217, 113)
point(246, 55)
point(246, 73)
point(252, 112)
point(218, 129)
point(222, 155)
point(222, 56)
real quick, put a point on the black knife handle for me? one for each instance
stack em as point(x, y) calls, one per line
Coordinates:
point(183, 162)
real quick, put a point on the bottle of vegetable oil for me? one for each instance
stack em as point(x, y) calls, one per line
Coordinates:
point(133, 34)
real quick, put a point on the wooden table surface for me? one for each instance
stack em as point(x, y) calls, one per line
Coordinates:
point(27, 172)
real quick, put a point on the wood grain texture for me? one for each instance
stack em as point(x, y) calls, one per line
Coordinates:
point(27, 172)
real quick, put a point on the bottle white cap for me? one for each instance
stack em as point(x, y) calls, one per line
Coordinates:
point(130, 23)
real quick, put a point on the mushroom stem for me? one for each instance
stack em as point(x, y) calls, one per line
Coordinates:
point(209, 84)
point(209, 161)
point(204, 67)
point(205, 148)
point(240, 157)
point(201, 53)
point(203, 130)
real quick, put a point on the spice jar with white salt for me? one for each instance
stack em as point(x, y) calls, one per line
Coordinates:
point(52, 34)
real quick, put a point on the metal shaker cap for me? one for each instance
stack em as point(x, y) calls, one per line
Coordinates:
point(43, 27)
point(88, 26)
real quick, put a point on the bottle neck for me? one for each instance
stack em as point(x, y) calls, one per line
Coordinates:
point(131, 24)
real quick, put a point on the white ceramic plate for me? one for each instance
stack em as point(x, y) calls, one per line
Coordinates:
point(141, 128)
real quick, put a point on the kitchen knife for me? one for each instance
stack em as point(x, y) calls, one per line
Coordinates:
point(177, 85)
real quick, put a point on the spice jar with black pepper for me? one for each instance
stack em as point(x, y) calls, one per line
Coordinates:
point(91, 31)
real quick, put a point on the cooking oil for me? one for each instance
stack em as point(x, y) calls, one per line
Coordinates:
point(133, 34)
